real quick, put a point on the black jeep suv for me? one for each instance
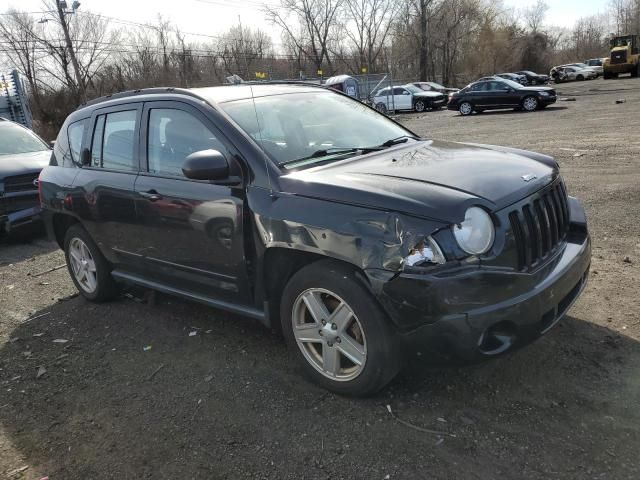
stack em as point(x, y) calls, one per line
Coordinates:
point(304, 208)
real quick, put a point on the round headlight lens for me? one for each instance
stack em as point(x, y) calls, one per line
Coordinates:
point(476, 233)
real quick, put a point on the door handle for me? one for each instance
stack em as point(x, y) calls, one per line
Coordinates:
point(151, 195)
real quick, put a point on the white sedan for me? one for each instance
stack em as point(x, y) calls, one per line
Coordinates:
point(408, 97)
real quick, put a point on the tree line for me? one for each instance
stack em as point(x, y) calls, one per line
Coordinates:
point(68, 57)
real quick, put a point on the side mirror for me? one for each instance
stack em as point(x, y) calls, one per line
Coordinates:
point(206, 165)
point(85, 157)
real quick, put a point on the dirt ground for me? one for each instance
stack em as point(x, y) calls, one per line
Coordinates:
point(126, 390)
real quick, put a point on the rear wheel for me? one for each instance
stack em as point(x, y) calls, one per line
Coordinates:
point(530, 104)
point(607, 75)
point(465, 108)
point(337, 331)
point(89, 270)
point(636, 72)
point(381, 107)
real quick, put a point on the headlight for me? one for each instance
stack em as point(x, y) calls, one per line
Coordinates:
point(476, 233)
point(426, 251)
point(544, 94)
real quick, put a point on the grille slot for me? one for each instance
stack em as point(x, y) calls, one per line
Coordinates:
point(20, 183)
point(540, 225)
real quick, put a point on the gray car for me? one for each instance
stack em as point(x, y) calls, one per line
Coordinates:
point(22, 156)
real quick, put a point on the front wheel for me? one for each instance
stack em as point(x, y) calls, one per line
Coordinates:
point(465, 108)
point(381, 107)
point(580, 78)
point(530, 104)
point(420, 106)
point(337, 331)
point(89, 270)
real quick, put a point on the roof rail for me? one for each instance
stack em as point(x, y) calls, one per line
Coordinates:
point(140, 91)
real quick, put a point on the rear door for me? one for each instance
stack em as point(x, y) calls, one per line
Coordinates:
point(103, 195)
point(193, 230)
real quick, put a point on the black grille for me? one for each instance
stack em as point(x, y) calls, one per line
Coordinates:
point(619, 57)
point(15, 204)
point(20, 183)
point(540, 225)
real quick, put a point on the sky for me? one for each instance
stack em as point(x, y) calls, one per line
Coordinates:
point(213, 17)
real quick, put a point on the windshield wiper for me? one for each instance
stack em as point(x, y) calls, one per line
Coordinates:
point(398, 140)
point(325, 152)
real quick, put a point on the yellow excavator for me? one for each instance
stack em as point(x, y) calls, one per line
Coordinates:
point(624, 57)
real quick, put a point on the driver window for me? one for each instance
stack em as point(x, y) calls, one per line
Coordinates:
point(399, 91)
point(173, 135)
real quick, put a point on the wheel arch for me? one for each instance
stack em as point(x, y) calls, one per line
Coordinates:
point(61, 223)
point(280, 264)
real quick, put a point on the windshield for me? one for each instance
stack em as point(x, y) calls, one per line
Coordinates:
point(15, 139)
point(300, 125)
point(413, 89)
point(435, 85)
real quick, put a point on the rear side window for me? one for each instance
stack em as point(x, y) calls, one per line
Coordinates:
point(75, 133)
point(113, 144)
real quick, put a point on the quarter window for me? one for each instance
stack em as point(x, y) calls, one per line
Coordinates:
point(173, 136)
point(75, 132)
point(113, 144)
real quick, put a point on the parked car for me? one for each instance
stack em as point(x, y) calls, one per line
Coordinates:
point(596, 64)
point(597, 69)
point(498, 93)
point(435, 87)
point(569, 73)
point(366, 244)
point(408, 97)
point(22, 156)
point(521, 79)
point(534, 78)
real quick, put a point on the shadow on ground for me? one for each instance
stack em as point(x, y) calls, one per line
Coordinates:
point(127, 390)
point(24, 243)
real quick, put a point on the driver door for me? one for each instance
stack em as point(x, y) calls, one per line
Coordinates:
point(191, 231)
point(402, 98)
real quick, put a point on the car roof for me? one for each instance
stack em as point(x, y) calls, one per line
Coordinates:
point(212, 95)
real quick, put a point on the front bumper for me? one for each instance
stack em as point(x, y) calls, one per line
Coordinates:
point(20, 218)
point(482, 312)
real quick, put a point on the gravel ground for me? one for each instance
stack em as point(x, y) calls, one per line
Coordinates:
point(127, 390)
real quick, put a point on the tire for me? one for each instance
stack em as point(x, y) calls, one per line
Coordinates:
point(465, 108)
point(420, 106)
point(580, 78)
point(382, 108)
point(607, 75)
point(89, 270)
point(530, 104)
point(323, 344)
point(636, 73)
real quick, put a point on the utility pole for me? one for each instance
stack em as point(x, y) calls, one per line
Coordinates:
point(62, 13)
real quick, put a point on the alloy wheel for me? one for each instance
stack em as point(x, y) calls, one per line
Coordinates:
point(83, 265)
point(530, 104)
point(420, 106)
point(329, 334)
point(466, 108)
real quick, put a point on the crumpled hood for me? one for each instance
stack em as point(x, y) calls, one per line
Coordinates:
point(22, 163)
point(430, 179)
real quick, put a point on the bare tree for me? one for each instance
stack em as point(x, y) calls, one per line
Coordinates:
point(317, 22)
point(21, 47)
point(534, 15)
point(368, 26)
